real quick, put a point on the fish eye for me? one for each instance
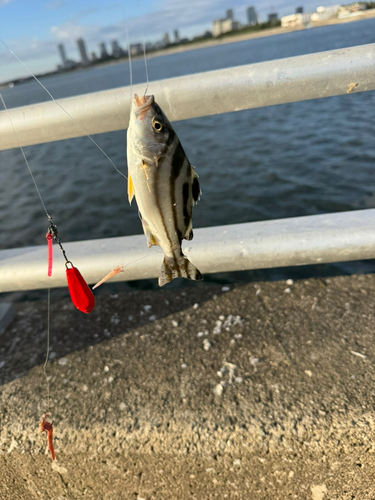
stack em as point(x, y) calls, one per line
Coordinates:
point(157, 126)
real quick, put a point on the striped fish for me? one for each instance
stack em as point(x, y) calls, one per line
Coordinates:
point(164, 184)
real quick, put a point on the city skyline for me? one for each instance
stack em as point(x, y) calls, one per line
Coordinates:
point(34, 31)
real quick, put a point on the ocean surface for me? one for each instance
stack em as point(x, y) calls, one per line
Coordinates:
point(281, 161)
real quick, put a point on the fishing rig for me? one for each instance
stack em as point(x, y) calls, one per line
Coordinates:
point(80, 293)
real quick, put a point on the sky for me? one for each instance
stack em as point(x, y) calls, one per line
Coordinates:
point(34, 28)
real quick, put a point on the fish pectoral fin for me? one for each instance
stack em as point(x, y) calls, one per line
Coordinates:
point(178, 267)
point(195, 186)
point(151, 240)
point(131, 192)
point(144, 168)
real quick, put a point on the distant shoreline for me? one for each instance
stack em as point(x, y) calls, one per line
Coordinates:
point(213, 42)
point(257, 34)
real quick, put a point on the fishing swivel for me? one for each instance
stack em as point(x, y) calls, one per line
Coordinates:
point(52, 234)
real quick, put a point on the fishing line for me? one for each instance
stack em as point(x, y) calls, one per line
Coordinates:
point(130, 66)
point(49, 219)
point(52, 228)
point(63, 109)
point(47, 355)
point(145, 59)
point(24, 156)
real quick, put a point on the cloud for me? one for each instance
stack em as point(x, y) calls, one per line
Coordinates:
point(57, 4)
point(170, 15)
point(72, 31)
point(27, 49)
point(38, 55)
point(189, 18)
point(177, 14)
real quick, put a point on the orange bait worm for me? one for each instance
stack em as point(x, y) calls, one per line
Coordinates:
point(47, 426)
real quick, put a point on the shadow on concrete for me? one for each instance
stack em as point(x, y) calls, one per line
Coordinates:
point(24, 343)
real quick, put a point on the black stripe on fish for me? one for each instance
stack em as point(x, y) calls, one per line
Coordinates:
point(196, 189)
point(185, 197)
point(177, 267)
point(177, 160)
point(172, 135)
point(157, 109)
point(157, 201)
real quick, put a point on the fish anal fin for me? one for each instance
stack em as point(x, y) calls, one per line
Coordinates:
point(131, 192)
point(151, 240)
point(178, 267)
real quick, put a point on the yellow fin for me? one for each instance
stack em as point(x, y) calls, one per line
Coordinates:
point(131, 192)
point(151, 240)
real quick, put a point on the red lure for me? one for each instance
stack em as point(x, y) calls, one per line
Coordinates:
point(80, 293)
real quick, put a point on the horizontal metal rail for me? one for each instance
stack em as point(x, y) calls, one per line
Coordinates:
point(293, 79)
point(296, 241)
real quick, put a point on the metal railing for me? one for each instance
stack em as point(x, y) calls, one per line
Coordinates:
point(287, 242)
point(232, 89)
point(278, 243)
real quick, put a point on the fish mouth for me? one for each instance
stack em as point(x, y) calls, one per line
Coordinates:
point(142, 105)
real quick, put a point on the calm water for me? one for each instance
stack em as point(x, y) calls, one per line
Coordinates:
point(282, 161)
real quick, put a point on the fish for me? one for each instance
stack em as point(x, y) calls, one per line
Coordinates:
point(164, 184)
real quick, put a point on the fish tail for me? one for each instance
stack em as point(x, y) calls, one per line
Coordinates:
point(178, 267)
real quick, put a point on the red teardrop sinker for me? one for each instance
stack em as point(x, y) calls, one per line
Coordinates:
point(80, 293)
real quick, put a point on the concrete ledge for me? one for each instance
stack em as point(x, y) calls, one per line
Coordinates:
point(263, 391)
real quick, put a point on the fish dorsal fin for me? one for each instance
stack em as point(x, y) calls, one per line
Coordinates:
point(131, 192)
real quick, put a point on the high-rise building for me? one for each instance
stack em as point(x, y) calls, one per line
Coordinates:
point(176, 36)
point(82, 50)
point(221, 26)
point(136, 48)
point(299, 10)
point(166, 39)
point(252, 17)
point(116, 49)
point(63, 55)
point(216, 27)
point(272, 17)
point(103, 51)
